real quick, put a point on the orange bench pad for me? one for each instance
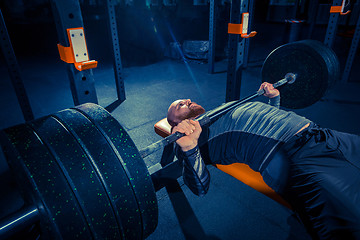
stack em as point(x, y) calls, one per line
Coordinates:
point(245, 174)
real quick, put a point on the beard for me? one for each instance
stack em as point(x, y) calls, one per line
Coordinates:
point(195, 110)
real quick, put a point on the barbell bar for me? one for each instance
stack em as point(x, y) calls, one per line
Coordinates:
point(82, 176)
point(208, 119)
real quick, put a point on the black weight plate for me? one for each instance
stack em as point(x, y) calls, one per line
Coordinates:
point(324, 51)
point(79, 173)
point(109, 169)
point(311, 69)
point(330, 57)
point(134, 165)
point(44, 185)
point(334, 63)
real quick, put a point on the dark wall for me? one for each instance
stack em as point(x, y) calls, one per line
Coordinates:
point(144, 32)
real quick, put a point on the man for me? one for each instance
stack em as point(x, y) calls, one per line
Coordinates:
point(320, 176)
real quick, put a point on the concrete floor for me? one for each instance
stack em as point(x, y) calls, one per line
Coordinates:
point(231, 210)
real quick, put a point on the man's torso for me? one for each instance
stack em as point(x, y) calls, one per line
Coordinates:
point(249, 134)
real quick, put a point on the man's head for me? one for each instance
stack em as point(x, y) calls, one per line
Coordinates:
point(183, 109)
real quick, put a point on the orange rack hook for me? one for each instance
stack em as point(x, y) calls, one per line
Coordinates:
point(339, 9)
point(241, 28)
point(77, 52)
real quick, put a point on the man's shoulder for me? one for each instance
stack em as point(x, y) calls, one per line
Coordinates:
point(253, 104)
point(254, 107)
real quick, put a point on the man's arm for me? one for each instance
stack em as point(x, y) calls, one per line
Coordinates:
point(275, 101)
point(195, 174)
point(272, 93)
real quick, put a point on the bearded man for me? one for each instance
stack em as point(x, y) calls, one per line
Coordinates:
point(319, 176)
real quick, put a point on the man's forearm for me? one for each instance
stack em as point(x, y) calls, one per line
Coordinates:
point(275, 101)
point(196, 175)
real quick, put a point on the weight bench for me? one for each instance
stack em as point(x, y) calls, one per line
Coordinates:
point(239, 171)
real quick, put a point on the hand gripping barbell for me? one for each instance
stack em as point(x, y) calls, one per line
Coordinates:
point(81, 175)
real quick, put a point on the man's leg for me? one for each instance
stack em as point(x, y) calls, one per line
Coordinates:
point(323, 184)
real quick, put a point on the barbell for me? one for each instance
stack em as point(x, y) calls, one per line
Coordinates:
point(212, 116)
point(81, 175)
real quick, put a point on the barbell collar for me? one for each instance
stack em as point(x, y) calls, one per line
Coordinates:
point(290, 78)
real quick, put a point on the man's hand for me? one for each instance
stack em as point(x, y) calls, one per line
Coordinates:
point(270, 91)
point(192, 129)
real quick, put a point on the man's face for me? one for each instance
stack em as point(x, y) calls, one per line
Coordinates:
point(183, 109)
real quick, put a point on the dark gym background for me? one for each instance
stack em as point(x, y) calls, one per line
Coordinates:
point(154, 78)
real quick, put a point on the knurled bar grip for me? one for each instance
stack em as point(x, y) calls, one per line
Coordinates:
point(211, 118)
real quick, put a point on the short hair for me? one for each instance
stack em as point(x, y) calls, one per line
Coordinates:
point(169, 118)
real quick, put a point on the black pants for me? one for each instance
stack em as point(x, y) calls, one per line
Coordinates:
point(323, 183)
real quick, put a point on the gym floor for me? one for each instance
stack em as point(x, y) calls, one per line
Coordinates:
point(230, 210)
